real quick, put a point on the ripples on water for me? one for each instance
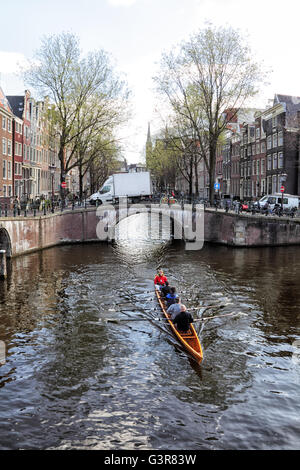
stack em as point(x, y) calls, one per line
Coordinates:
point(72, 380)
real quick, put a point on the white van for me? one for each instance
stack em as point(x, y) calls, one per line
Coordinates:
point(289, 201)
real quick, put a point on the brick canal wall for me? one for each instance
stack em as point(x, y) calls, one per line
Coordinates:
point(23, 234)
point(250, 231)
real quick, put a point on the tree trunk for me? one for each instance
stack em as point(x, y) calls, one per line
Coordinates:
point(191, 178)
point(212, 173)
point(61, 154)
point(196, 178)
point(80, 181)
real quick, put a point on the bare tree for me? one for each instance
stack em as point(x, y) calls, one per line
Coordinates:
point(84, 91)
point(211, 72)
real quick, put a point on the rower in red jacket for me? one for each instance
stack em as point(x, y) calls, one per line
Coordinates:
point(160, 279)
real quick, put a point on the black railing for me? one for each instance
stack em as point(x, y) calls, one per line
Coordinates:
point(32, 209)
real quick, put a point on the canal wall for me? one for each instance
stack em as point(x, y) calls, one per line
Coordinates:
point(246, 230)
point(27, 234)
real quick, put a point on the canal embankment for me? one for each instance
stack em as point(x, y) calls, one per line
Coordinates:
point(27, 234)
point(20, 235)
point(247, 230)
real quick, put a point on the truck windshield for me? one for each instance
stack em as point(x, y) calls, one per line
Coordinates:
point(105, 189)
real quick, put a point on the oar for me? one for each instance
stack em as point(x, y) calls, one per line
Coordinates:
point(112, 320)
point(218, 316)
point(207, 306)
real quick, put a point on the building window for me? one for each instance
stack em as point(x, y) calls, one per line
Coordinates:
point(274, 184)
point(269, 142)
point(252, 133)
point(9, 147)
point(257, 132)
point(274, 161)
point(274, 121)
point(4, 146)
point(257, 167)
point(262, 167)
point(4, 190)
point(4, 169)
point(263, 147)
point(280, 138)
point(10, 191)
point(269, 162)
point(9, 125)
point(257, 149)
point(274, 140)
point(3, 122)
point(280, 160)
point(269, 183)
point(9, 170)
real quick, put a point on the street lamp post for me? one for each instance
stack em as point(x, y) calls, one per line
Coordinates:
point(283, 178)
point(52, 171)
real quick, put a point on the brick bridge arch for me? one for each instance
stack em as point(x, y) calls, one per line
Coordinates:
point(182, 221)
point(5, 242)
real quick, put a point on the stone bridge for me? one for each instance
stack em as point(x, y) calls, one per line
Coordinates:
point(19, 235)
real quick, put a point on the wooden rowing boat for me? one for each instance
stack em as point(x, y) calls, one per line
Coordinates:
point(189, 340)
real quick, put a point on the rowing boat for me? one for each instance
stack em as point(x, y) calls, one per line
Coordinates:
point(189, 340)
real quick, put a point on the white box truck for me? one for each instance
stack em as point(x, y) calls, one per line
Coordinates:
point(134, 186)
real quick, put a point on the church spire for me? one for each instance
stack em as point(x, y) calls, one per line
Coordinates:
point(149, 133)
point(148, 144)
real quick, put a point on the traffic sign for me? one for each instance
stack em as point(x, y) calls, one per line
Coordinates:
point(217, 185)
point(282, 189)
point(63, 184)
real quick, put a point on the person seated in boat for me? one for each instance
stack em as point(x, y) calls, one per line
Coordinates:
point(175, 308)
point(160, 279)
point(170, 298)
point(166, 289)
point(183, 320)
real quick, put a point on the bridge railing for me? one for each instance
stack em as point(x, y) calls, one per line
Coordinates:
point(32, 209)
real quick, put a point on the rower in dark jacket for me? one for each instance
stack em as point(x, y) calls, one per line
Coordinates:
point(166, 289)
point(183, 320)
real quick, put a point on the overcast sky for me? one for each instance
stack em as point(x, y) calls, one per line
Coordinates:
point(136, 32)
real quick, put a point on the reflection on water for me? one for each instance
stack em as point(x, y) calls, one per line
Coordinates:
point(73, 380)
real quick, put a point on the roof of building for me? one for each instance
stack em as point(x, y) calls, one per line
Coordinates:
point(17, 105)
point(4, 103)
point(292, 103)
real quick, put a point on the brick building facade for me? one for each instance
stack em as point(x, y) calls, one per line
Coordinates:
point(6, 149)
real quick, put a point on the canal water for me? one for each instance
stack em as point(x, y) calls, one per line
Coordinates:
point(80, 375)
